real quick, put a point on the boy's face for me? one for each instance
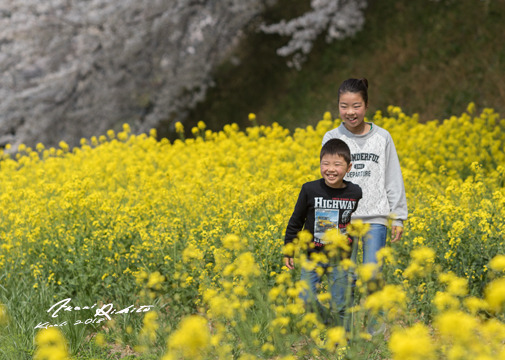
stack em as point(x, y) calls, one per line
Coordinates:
point(333, 170)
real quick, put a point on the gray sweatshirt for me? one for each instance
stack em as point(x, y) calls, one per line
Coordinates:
point(376, 169)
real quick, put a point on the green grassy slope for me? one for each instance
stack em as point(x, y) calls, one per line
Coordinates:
point(428, 57)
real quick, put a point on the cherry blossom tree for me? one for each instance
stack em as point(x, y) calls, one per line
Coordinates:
point(337, 18)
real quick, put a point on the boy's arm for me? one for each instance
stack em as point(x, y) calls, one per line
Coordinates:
point(295, 224)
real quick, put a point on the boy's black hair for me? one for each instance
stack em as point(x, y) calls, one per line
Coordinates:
point(336, 146)
point(355, 86)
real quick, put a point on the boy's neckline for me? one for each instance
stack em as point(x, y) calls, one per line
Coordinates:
point(344, 183)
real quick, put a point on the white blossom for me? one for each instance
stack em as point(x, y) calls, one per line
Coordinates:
point(338, 18)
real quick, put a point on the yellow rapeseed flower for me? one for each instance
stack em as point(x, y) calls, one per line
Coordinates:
point(192, 338)
point(246, 266)
point(100, 339)
point(412, 343)
point(456, 286)
point(495, 294)
point(497, 263)
point(366, 272)
point(474, 304)
point(327, 116)
point(386, 255)
point(179, 128)
point(423, 255)
point(219, 306)
point(470, 108)
point(289, 250)
point(445, 301)
point(149, 327)
point(389, 299)
point(457, 325)
point(201, 125)
point(144, 205)
point(335, 241)
point(64, 146)
point(274, 293)
point(268, 347)
point(40, 147)
point(155, 280)
point(232, 242)
point(347, 264)
point(51, 345)
point(335, 336)
point(304, 239)
point(494, 330)
point(191, 252)
point(422, 262)
point(358, 228)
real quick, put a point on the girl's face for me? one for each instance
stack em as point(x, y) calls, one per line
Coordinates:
point(352, 110)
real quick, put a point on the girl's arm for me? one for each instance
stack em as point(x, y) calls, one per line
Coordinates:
point(395, 189)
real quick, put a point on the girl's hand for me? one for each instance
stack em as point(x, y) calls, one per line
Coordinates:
point(396, 233)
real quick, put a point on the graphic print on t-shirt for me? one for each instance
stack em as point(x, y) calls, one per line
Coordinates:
point(362, 165)
point(324, 219)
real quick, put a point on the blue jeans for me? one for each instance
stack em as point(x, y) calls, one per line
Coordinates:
point(373, 241)
point(338, 284)
point(342, 282)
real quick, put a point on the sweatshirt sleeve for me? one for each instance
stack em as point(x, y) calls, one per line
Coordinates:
point(395, 188)
point(328, 136)
point(297, 220)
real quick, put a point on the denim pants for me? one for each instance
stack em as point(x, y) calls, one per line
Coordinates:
point(341, 283)
point(337, 282)
point(373, 241)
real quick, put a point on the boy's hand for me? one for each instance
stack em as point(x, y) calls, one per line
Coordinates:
point(396, 233)
point(289, 262)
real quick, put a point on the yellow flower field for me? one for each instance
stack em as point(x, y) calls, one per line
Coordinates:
point(129, 246)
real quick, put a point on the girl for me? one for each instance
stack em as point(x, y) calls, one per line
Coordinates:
point(376, 168)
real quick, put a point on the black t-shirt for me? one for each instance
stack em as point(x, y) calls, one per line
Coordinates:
point(320, 207)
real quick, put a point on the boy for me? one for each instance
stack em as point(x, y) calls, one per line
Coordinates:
point(325, 204)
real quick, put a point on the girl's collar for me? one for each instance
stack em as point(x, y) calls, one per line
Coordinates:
point(367, 130)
